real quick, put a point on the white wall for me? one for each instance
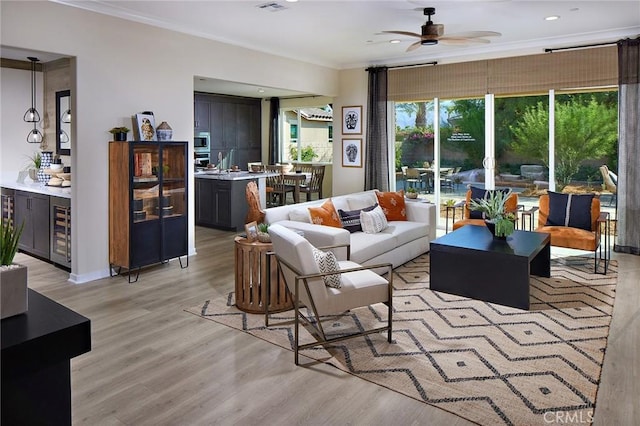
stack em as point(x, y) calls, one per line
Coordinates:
point(15, 86)
point(353, 91)
point(121, 68)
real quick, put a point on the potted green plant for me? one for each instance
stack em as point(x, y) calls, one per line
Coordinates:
point(13, 277)
point(35, 161)
point(412, 193)
point(119, 133)
point(500, 222)
point(263, 233)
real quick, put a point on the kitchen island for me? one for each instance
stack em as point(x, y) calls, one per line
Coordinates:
point(220, 197)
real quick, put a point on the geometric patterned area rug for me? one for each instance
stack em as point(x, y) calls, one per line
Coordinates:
point(487, 363)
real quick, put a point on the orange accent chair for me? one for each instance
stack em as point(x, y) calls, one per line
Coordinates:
point(576, 238)
point(511, 206)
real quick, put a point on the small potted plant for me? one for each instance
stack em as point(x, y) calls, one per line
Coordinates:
point(119, 133)
point(498, 220)
point(412, 193)
point(263, 233)
point(13, 277)
point(35, 161)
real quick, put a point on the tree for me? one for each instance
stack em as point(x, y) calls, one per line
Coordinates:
point(306, 154)
point(417, 108)
point(583, 130)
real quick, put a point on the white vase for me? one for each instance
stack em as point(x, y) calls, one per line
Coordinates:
point(13, 290)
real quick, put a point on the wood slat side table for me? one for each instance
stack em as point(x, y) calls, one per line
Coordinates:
point(253, 269)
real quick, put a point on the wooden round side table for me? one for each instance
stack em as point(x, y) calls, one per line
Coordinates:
point(253, 269)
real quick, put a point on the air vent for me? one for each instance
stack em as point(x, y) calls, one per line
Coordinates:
point(271, 7)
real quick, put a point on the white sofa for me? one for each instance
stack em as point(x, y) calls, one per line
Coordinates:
point(399, 243)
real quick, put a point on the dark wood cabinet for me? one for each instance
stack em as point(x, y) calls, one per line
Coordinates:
point(234, 124)
point(32, 209)
point(201, 114)
point(148, 207)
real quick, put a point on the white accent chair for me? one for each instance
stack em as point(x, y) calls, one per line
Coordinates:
point(360, 287)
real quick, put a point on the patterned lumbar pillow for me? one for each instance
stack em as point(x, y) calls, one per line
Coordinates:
point(573, 210)
point(351, 218)
point(374, 221)
point(327, 262)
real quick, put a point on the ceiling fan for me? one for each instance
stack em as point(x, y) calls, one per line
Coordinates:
point(434, 33)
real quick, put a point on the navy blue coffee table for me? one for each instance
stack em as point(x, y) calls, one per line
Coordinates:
point(470, 262)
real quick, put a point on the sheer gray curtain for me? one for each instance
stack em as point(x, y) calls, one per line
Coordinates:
point(274, 131)
point(376, 160)
point(628, 239)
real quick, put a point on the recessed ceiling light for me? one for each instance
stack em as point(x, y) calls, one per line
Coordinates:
point(291, 1)
point(552, 18)
point(260, 90)
point(394, 41)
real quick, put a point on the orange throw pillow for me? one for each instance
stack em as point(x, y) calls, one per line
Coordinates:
point(326, 214)
point(392, 204)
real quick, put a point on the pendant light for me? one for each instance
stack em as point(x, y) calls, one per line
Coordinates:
point(64, 137)
point(32, 115)
point(66, 116)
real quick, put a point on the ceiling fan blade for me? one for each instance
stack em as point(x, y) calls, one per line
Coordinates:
point(459, 41)
point(474, 34)
point(414, 46)
point(404, 33)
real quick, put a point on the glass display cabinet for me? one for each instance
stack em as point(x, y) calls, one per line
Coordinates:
point(147, 204)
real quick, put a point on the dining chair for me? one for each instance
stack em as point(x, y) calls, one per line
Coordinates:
point(276, 187)
point(314, 183)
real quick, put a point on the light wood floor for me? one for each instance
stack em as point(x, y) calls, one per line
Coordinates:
point(154, 364)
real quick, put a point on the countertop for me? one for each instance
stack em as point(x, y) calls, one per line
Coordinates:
point(37, 187)
point(241, 175)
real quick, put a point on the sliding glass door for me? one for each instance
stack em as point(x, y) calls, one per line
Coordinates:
point(530, 144)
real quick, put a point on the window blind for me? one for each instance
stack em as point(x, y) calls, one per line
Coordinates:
point(520, 75)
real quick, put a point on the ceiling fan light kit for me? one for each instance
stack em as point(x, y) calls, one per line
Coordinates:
point(432, 34)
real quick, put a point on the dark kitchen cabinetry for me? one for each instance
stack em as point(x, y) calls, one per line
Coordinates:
point(148, 207)
point(201, 114)
point(32, 209)
point(234, 125)
point(221, 203)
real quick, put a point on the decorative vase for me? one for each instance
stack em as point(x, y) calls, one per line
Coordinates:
point(164, 131)
point(120, 136)
point(491, 226)
point(412, 195)
point(47, 156)
point(264, 237)
point(33, 174)
point(13, 286)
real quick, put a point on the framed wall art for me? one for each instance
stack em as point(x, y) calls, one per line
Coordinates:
point(352, 120)
point(146, 126)
point(351, 152)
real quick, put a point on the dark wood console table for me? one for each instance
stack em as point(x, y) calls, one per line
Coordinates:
point(37, 348)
